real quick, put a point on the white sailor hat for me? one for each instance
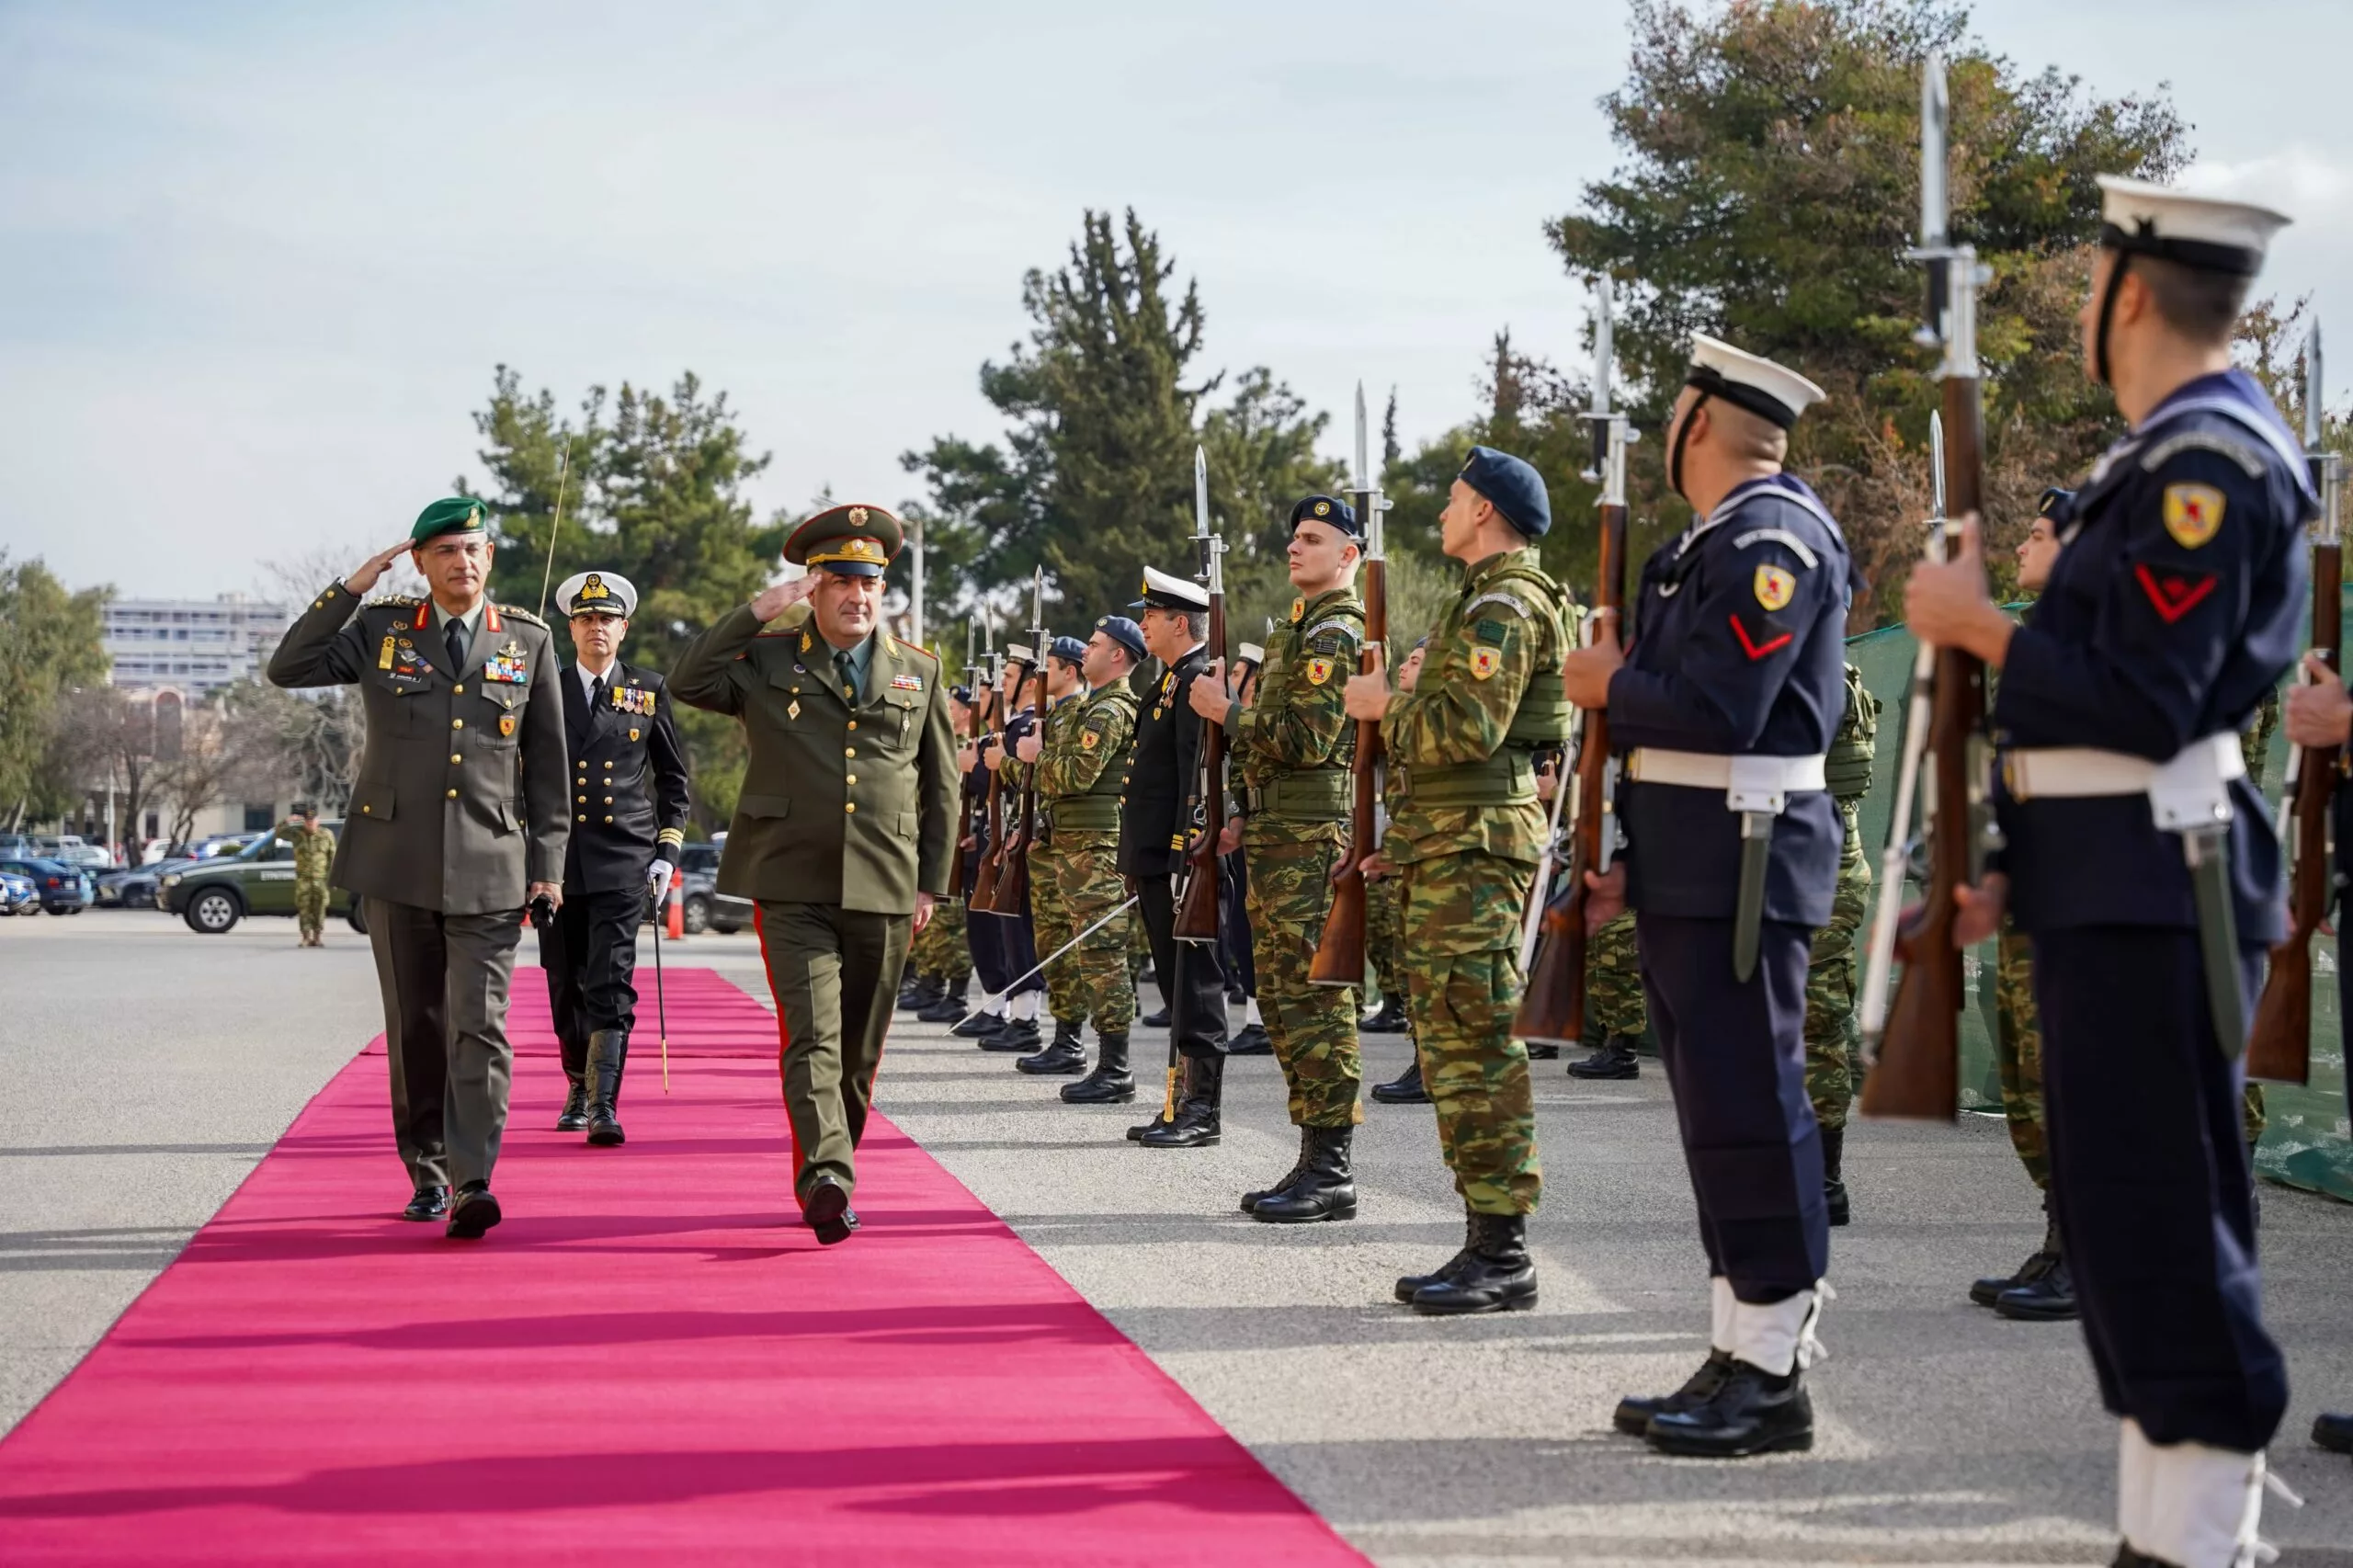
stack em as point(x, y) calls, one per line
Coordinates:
point(2203, 231)
point(1765, 388)
point(1251, 655)
point(605, 592)
point(1019, 653)
point(1161, 591)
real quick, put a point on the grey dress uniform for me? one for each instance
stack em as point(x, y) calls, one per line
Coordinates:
point(458, 807)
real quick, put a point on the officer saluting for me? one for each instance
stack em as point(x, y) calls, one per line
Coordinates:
point(457, 822)
point(842, 833)
point(628, 818)
point(2135, 843)
point(1726, 703)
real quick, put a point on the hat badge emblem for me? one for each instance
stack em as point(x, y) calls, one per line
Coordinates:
point(857, 517)
point(1323, 509)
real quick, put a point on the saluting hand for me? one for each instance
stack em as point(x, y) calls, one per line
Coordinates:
point(1208, 694)
point(778, 597)
point(359, 582)
point(1585, 672)
point(1366, 695)
point(2320, 712)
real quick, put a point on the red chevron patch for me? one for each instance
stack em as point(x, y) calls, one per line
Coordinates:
point(1756, 650)
point(2174, 594)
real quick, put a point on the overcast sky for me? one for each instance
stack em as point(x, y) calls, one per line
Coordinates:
point(257, 260)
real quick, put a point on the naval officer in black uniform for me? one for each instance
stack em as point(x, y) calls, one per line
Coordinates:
point(2141, 858)
point(628, 775)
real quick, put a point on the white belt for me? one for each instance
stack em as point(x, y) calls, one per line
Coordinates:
point(2192, 790)
point(1749, 783)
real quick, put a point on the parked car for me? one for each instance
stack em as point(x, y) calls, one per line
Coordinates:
point(221, 843)
point(63, 889)
point(71, 850)
point(215, 893)
point(131, 887)
point(18, 894)
point(707, 909)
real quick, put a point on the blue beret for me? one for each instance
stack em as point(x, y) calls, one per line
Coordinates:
point(1069, 649)
point(1123, 632)
point(2056, 502)
point(962, 694)
point(1328, 509)
point(1513, 487)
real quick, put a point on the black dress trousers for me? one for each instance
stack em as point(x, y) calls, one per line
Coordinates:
point(589, 951)
point(1194, 979)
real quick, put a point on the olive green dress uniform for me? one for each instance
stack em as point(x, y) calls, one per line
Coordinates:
point(1081, 767)
point(1292, 747)
point(460, 806)
point(848, 806)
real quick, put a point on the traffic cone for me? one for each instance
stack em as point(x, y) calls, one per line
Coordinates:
point(674, 925)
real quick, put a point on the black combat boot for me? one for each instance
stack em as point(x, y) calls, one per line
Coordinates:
point(1063, 1056)
point(1014, 1034)
point(2126, 1557)
point(1158, 1020)
point(2334, 1433)
point(1391, 1019)
point(1498, 1276)
point(1751, 1412)
point(1299, 1162)
point(1615, 1059)
point(1111, 1083)
point(575, 1106)
point(921, 990)
point(1543, 1050)
point(2042, 1261)
point(607, 1049)
point(1253, 1040)
point(1405, 1088)
point(1633, 1414)
point(1198, 1122)
point(976, 1026)
point(1325, 1188)
point(1834, 1184)
point(2048, 1297)
point(1412, 1285)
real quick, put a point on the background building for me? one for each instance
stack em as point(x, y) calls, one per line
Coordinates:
point(192, 647)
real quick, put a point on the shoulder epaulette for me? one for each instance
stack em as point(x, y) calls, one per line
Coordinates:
point(525, 616)
point(402, 601)
point(2172, 447)
point(915, 648)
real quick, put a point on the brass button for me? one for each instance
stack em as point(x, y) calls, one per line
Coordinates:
point(460, 688)
point(580, 819)
point(853, 723)
point(609, 767)
point(365, 810)
point(609, 819)
point(852, 778)
point(455, 759)
point(850, 751)
point(849, 805)
point(457, 723)
point(608, 801)
point(453, 795)
point(581, 799)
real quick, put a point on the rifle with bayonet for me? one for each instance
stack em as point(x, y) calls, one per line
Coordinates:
point(1912, 1043)
point(1552, 941)
point(1021, 661)
point(1013, 877)
point(2280, 1048)
point(1196, 907)
point(1340, 953)
point(964, 803)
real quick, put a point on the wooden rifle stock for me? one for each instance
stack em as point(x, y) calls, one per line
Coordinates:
point(1340, 956)
point(993, 863)
point(1197, 911)
point(1013, 877)
point(963, 803)
point(1551, 1007)
point(2280, 1048)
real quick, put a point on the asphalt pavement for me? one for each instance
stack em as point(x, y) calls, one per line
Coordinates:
point(149, 1068)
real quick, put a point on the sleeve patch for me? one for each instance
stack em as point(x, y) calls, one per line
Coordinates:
point(1486, 661)
point(1754, 649)
point(1319, 670)
point(1494, 631)
point(1797, 546)
point(2174, 594)
point(1336, 626)
point(1089, 739)
point(1774, 585)
point(2193, 513)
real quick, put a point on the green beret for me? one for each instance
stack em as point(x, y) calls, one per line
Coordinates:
point(453, 515)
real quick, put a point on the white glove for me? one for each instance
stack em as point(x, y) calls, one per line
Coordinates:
point(658, 876)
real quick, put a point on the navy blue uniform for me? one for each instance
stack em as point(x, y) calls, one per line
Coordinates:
point(1004, 943)
point(2175, 603)
point(1156, 817)
point(1738, 649)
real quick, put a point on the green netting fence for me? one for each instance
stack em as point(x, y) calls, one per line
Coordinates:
point(2306, 1141)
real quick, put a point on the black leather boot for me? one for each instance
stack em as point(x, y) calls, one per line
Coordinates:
point(1834, 1184)
point(1616, 1059)
point(1064, 1055)
point(1254, 1041)
point(1405, 1088)
point(607, 1049)
point(1391, 1019)
point(2049, 1297)
point(475, 1211)
point(1015, 1034)
point(1326, 1188)
point(2334, 1433)
point(2042, 1261)
point(948, 1007)
point(575, 1106)
point(1198, 1123)
point(1543, 1050)
point(1158, 1020)
point(1752, 1412)
point(1633, 1414)
point(921, 990)
point(2126, 1557)
point(1111, 1083)
point(1498, 1276)
point(1412, 1285)
point(1299, 1162)
point(977, 1026)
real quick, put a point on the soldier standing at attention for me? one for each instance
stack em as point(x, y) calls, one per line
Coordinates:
point(1465, 841)
point(2141, 859)
point(1156, 824)
point(1049, 916)
point(1726, 702)
point(458, 822)
point(1011, 934)
point(940, 965)
point(1833, 1037)
point(1292, 747)
point(1385, 926)
point(1081, 767)
point(842, 833)
point(629, 822)
point(313, 858)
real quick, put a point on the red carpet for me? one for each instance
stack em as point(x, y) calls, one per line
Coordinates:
point(644, 1363)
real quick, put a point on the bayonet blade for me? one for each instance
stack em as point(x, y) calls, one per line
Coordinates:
point(1936, 466)
point(1935, 110)
point(1201, 494)
point(1603, 349)
point(1361, 482)
point(2314, 390)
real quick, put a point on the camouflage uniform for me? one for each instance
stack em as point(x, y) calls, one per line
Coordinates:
point(1613, 983)
point(314, 854)
point(1049, 916)
point(1291, 746)
point(2018, 1051)
point(1081, 765)
point(1465, 841)
point(1384, 936)
point(1834, 1040)
point(940, 951)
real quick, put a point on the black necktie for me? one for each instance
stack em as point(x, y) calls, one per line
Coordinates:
point(595, 693)
point(455, 632)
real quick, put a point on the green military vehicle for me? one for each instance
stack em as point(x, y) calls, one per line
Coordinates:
point(213, 895)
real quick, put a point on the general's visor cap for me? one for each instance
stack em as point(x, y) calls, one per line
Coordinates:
point(598, 593)
point(1770, 391)
point(856, 540)
point(2206, 233)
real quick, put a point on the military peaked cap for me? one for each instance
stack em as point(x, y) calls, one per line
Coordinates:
point(598, 593)
point(1161, 591)
point(855, 540)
